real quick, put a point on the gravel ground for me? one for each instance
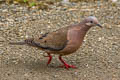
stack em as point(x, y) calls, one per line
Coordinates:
point(97, 59)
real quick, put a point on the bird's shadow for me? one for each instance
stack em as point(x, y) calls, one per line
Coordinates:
point(39, 65)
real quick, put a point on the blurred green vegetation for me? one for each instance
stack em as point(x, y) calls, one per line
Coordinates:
point(41, 4)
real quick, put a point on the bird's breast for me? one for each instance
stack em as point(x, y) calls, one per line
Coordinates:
point(75, 39)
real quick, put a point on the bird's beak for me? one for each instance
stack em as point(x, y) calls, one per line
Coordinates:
point(99, 25)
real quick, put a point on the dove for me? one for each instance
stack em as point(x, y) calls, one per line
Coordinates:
point(63, 41)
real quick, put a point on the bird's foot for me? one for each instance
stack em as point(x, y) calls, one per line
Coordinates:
point(50, 58)
point(67, 66)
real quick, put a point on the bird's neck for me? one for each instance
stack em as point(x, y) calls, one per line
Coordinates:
point(83, 27)
point(82, 31)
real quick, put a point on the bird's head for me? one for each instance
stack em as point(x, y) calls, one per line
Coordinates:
point(92, 21)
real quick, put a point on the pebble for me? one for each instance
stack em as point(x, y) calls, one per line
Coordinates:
point(108, 26)
point(114, 1)
point(118, 65)
point(100, 38)
point(55, 76)
point(15, 62)
point(65, 2)
point(5, 10)
point(118, 26)
point(76, 73)
point(1, 51)
point(26, 75)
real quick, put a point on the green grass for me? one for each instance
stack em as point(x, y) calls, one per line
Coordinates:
point(41, 4)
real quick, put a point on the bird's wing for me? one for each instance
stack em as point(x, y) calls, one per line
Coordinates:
point(54, 41)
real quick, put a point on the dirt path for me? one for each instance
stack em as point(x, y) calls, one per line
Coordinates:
point(97, 59)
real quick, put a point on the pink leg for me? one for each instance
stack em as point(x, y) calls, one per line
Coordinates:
point(50, 58)
point(67, 66)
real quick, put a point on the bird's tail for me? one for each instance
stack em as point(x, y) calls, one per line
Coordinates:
point(17, 43)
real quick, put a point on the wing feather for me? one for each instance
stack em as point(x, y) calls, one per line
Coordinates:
point(53, 41)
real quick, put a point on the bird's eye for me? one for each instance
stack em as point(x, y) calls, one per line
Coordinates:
point(91, 21)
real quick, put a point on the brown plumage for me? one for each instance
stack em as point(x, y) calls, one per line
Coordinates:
point(63, 41)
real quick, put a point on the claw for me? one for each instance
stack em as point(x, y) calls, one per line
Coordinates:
point(67, 66)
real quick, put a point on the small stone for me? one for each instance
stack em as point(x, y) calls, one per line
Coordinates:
point(87, 65)
point(41, 32)
point(65, 2)
point(100, 38)
point(26, 75)
point(114, 1)
point(1, 51)
point(16, 62)
point(76, 73)
point(26, 36)
point(22, 36)
point(107, 26)
point(49, 26)
point(5, 10)
point(41, 53)
point(118, 26)
point(118, 65)
point(56, 76)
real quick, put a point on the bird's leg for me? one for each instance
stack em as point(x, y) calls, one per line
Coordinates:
point(67, 66)
point(50, 58)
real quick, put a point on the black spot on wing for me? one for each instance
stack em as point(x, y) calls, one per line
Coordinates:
point(29, 41)
point(51, 48)
point(44, 35)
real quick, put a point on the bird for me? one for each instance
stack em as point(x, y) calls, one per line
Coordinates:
point(63, 41)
